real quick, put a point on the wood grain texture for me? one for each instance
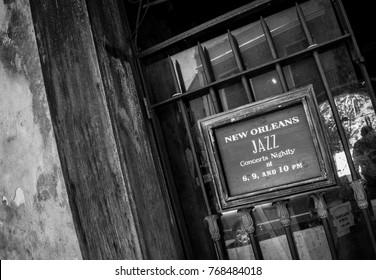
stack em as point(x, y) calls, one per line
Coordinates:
point(155, 223)
point(98, 189)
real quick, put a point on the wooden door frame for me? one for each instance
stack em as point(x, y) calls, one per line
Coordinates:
point(119, 206)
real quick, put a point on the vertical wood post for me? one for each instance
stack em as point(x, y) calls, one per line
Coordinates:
point(104, 220)
point(114, 192)
point(153, 203)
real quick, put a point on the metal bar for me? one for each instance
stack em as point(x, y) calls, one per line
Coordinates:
point(254, 6)
point(304, 25)
point(250, 72)
point(216, 236)
point(256, 247)
point(284, 218)
point(330, 239)
point(278, 67)
point(219, 249)
point(322, 212)
point(183, 110)
point(360, 59)
point(247, 223)
point(332, 104)
point(291, 243)
point(240, 64)
point(178, 80)
point(208, 77)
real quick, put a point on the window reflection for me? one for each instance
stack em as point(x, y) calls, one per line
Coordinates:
point(189, 65)
point(233, 96)
point(308, 233)
point(266, 85)
point(288, 39)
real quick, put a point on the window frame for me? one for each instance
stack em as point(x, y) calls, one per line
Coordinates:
point(181, 98)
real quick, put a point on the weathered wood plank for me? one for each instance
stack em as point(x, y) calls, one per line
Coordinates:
point(97, 187)
point(156, 225)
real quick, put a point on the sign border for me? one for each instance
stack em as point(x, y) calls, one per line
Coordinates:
point(304, 96)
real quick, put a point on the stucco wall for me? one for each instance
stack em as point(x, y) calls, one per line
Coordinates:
point(35, 218)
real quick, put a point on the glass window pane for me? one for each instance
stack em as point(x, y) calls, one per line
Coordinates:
point(253, 46)
point(352, 102)
point(188, 190)
point(233, 96)
point(305, 72)
point(336, 147)
point(197, 109)
point(302, 73)
point(339, 70)
point(236, 239)
point(161, 87)
point(221, 57)
point(270, 233)
point(307, 229)
point(266, 85)
point(287, 34)
point(356, 112)
point(190, 63)
point(321, 20)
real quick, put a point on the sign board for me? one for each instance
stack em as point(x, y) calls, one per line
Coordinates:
point(267, 150)
point(343, 219)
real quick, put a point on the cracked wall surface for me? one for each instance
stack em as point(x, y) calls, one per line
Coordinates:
point(35, 217)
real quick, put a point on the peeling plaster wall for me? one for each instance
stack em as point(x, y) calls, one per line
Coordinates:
point(35, 217)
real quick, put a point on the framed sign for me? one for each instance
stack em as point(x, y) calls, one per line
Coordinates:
point(268, 150)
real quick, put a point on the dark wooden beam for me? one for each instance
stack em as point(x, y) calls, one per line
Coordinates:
point(116, 62)
point(101, 137)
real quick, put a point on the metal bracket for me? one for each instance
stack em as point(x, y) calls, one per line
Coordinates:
point(213, 227)
point(320, 205)
point(247, 220)
point(283, 213)
point(359, 193)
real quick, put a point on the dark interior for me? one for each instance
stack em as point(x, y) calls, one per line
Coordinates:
point(159, 20)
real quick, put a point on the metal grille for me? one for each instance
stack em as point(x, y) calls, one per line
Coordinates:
point(243, 75)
